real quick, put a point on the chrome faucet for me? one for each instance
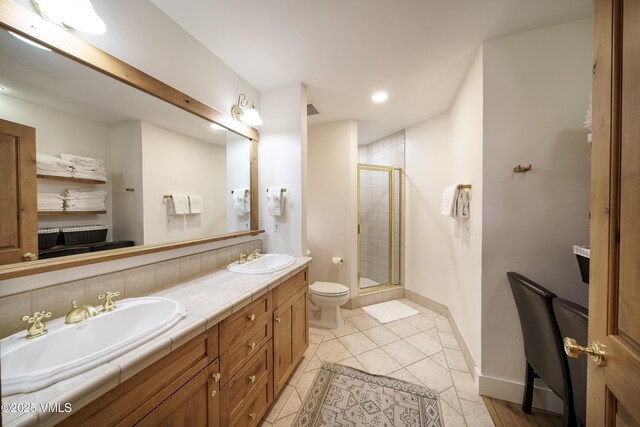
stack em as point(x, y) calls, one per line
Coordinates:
point(78, 314)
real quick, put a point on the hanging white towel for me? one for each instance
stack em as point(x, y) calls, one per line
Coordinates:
point(462, 204)
point(239, 201)
point(275, 203)
point(179, 204)
point(196, 204)
point(449, 197)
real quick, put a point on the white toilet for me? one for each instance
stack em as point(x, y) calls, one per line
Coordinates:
point(325, 301)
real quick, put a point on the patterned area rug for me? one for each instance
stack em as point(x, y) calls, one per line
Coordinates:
point(344, 396)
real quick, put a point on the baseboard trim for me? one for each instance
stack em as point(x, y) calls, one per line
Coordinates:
point(511, 391)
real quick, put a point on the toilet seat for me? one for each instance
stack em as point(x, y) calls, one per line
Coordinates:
point(328, 289)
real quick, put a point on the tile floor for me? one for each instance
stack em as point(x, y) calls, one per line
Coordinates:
point(420, 349)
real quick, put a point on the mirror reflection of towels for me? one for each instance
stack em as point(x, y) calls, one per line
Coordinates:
point(275, 202)
point(240, 201)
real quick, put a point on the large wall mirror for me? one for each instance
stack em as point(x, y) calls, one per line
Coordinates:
point(152, 151)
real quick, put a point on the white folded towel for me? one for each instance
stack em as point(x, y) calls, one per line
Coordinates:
point(449, 197)
point(275, 201)
point(240, 201)
point(44, 159)
point(179, 204)
point(196, 204)
point(462, 204)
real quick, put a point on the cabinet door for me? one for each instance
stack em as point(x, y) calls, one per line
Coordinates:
point(290, 337)
point(18, 206)
point(282, 354)
point(299, 326)
point(195, 404)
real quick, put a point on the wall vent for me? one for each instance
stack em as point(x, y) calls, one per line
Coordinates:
point(311, 109)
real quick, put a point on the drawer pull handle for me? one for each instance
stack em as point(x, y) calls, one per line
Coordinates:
point(216, 376)
point(252, 416)
point(252, 345)
point(277, 319)
point(252, 378)
point(251, 317)
point(213, 393)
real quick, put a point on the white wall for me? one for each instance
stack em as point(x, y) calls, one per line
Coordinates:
point(332, 204)
point(175, 163)
point(238, 176)
point(443, 254)
point(282, 163)
point(536, 88)
point(125, 143)
point(56, 133)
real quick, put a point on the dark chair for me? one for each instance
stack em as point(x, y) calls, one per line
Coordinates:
point(543, 348)
point(573, 321)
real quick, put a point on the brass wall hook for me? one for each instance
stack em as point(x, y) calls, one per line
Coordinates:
point(522, 169)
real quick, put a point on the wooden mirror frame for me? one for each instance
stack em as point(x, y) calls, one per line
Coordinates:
point(15, 18)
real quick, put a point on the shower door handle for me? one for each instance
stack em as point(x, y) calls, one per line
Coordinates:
point(358, 228)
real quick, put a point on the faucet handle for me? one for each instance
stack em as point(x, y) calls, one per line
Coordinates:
point(108, 304)
point(37, 327)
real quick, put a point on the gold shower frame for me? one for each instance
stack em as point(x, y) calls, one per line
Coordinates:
point(390, 170)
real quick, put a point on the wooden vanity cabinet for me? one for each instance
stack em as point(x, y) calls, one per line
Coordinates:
point(290, 328)
point(181, 370)
point(227, 376)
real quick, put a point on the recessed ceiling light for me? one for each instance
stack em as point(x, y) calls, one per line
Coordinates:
point(379, 97)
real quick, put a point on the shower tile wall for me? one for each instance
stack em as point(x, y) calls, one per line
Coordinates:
point(374, 208)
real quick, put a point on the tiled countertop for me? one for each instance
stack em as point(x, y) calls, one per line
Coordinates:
point(208, 299)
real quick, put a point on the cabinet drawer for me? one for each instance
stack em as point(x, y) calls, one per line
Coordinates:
point(235, 393)
point(244, 346)
point(139, 395)
point(290, 287)
point(257, 404)
point(238, 325)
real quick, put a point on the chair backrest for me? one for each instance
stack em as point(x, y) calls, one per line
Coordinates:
point(542, 343)
point(573, 321)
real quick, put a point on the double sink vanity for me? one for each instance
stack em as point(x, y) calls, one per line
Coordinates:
point(214, 351)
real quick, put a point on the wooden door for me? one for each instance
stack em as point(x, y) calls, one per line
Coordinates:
point(614, 295)
point(290, 337)
point(282, 355)
point(18, 206)
point(299, 326)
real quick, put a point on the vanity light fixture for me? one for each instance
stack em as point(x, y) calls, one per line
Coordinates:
point(379, 97)
point(29, 42)
point(71, 14)
point(245, 111)
point(215, 126)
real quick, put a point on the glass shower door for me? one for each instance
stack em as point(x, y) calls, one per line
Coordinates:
point(378, 226)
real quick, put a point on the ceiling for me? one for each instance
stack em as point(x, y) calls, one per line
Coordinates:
point(418, 51)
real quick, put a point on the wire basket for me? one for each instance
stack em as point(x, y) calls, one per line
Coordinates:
point(84, 235)
point(47, 237)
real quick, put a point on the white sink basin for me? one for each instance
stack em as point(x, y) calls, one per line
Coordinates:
point(68, 350)
point(267, 263)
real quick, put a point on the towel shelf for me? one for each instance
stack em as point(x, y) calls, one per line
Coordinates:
point(70, 179)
